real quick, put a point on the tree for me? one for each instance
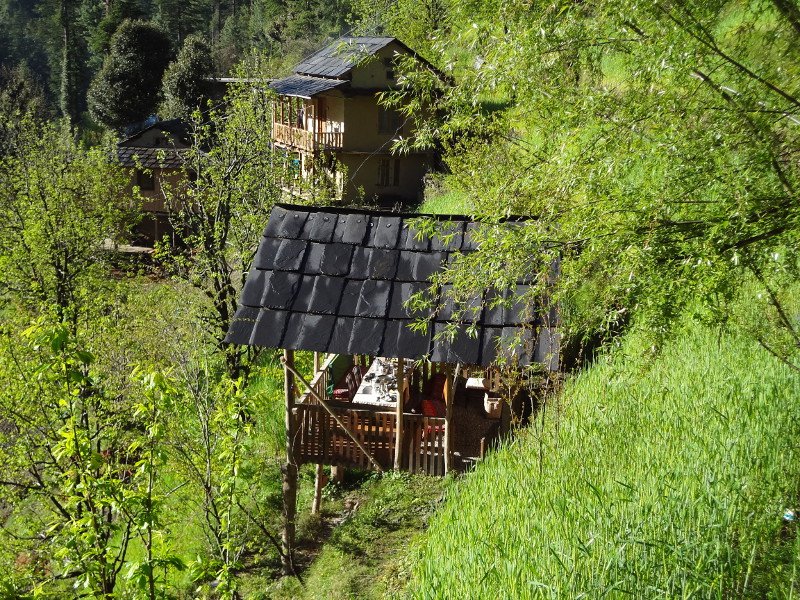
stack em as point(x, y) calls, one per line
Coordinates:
point(235, 182)
point(61, 203)
point(127, 87)
point(657, 143)
point(185, 88)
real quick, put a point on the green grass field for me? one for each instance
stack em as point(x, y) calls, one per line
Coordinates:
point(650, 478)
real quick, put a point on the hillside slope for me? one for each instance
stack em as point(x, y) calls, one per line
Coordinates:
point(659, 478)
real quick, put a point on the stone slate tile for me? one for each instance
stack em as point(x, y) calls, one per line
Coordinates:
point(265, 255)
point(465, 348)
point(326, 294)
point(253, 291)
point(290, 255)
point(405, 266)
point(460, 348)
point(281, 290)
point(382, 263)
point(359, 264)
point(468, 310)
point(309, 332)
point(336, 260)
point(400, 340)
point(401, 292)
point(340, 339)
point(446, 306)
point(428, 263)
point(350, 297)
point(314, 258)
point(413, 239)
point(373, 300)
point(387, 232)
point(517, 309)
point(449, 236)
point(546, 349)
point(489, 340)
point(356, 230)
point(516, 344)
point(339, 229)
point(471, 237)
point(367, 336)
point(285, 223)
point(302, 298)
point(268, 330)
point(320, 226)
point(242, 325)
point(493, 315)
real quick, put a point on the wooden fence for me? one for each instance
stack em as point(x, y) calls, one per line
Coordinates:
point(319, 439)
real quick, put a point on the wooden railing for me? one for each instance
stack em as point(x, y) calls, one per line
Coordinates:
point(319, 439)
point(424, 446)
point(305, 139)
point(319, 382)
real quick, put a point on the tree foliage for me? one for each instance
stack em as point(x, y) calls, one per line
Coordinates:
point(60, 204)
point(657, 143)
point(235, 181)
point(127, 88)
point(185, 86)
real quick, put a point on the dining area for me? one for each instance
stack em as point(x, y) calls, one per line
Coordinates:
point(383, 413)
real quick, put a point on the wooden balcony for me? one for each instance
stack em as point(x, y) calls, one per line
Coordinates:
point(303, 139)
point(319, 439)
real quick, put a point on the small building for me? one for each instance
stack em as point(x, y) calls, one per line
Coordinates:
point(328, 118)
point(385, 394)
point(154, 159)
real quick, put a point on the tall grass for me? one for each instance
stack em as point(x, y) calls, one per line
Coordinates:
point(653, 479)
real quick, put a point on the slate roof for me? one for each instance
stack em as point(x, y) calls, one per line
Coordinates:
point(177, 130)
point(132, 152)
point(150, 158)
point(340, 56)
point(303, 86)
point(335, 280)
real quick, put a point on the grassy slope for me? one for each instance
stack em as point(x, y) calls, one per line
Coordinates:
point(657, 479)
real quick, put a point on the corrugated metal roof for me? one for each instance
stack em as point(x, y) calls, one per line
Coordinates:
point(302, 86)
point(335, 280)
point(342, 55)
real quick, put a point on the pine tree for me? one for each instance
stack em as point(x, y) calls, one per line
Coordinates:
point(128, 86)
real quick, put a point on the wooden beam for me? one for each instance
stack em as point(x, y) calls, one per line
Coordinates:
point(449, 389)
point(289, 469)
point(398, 428)
point(336, 418)
point(319, 483)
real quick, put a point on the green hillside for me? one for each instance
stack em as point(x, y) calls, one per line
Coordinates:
point(648, 478)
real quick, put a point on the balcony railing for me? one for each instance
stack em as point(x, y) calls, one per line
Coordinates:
point(303, 139)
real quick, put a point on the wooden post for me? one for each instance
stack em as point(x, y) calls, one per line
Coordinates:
point(398, 428)
point(289, 469)
point(449, 392)
point(319, 483)
point(336, 418)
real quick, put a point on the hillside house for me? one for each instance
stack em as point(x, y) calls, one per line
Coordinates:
point(154, 160)
point(328, 114)
point(385, 395)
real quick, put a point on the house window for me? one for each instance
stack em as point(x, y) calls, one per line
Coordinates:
point(388, 64)
point(389, 172)
point(388, 120)
point(145, 180)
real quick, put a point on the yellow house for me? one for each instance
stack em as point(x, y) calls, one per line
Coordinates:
point(154, 158)
point(328, 118)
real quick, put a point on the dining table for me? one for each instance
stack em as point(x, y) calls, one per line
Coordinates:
point(378, 387)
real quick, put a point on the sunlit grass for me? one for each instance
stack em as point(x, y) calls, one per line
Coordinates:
point(665, 478)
